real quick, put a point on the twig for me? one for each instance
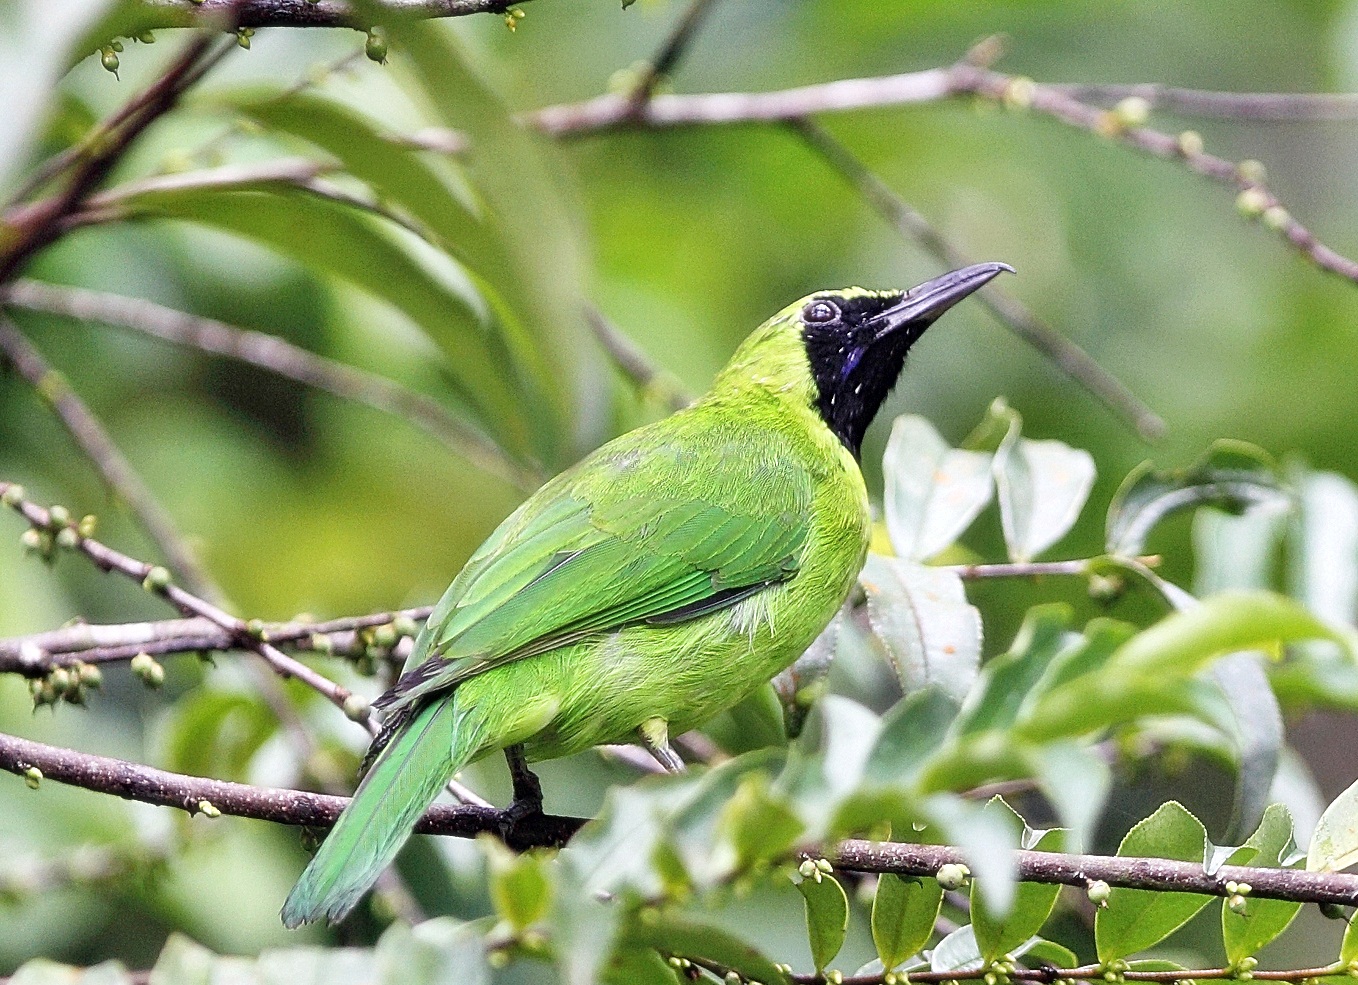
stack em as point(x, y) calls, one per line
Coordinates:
point(1093, 972)
point(670, 52)
point(1056, 103)
point(270, 353)
point(157, 580)
point(133, 781)
point(153, 786)
point(615, 111)
point(35, 226)
point(89, 435)
point(635, 364)
point(1274, 107)
point(306, 13)
point(1012, 313)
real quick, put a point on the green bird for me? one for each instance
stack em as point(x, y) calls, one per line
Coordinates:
point(649, 587)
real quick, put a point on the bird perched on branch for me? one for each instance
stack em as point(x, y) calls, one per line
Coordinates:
point(649, 587)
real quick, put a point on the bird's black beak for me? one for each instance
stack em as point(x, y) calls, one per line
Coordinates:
point(925, 303)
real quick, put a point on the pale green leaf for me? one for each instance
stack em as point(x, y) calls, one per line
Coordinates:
point(932, 492)
point(957, 952)
point(1334, 845)
point(1248, 932)
point(1041, 487)
point(1000, 932)
point(922, 617)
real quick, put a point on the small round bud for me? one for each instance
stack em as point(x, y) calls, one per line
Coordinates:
point(952, 875)
point(1252, 202)
point(675, 962)
point(67, 538)
point(1277, 218)
point(255, 627)
point(385, 635)
point(90, 675)
point(1018, 94)
point(157, 579)
point(146, 667)
point(1252, 171)
point(109, 59)
point(116, 45)
point(61, 680)
point(1237, 903)
point(807, 869)
point(732, 978)
point(206, 808)
point(835, 977)
point(58, 516)
point(1190, 143)
point(824, 865)
point(1333, 911)
point(13, 495)
point(376, 47)
point(147, 37)
point(1099, 891)
point(1133, 111)
point(1232, 887)
point(32, 777)
point(32, 540)
point(404, 626)
point(87, 525)
point(1247, 963)
point(1106, 588)
point(322, 643)
point(1243, 888)
point(243, 37)
point(356, 708)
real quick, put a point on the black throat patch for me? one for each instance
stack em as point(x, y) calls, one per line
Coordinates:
point(854, 364)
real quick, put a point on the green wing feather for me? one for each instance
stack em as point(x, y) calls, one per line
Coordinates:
point(654, 524)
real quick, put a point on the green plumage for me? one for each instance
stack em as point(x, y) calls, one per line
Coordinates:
point(664, 577)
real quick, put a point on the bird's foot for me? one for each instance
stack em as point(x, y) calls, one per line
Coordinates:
point(527, 795)
point(655, 732)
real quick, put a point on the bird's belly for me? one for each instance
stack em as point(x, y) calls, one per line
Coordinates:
point(685, 673)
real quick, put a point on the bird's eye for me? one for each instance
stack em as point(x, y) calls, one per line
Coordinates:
point(820, 312)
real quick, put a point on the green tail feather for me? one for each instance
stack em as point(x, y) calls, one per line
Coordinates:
point(404, 780)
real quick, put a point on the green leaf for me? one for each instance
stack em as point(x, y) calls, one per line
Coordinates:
point(921, 615)
point(1001, 423)
point(1348, 950)
point(680, 936)
point(182, 962)
point(1136, 919)
point(1041, 487)
point(1334, 844)
point(1076, 781)
point(988, 840)
point(932, 492)
point(999, 932)
point(336, 239)
point(41, 971)
point(584, 928)
point(1232, 475)
point(1324, 576)
point(903, 914)
point(1237, 551)
point(519, 887)
point(994, 701)
point(760, 826)
point(912, 730)
point(442, 951)
point(1257, 734)
point(957, 952)
point(217, 733)
point(827, 917)
point(1052, 953)
point(1262, 920)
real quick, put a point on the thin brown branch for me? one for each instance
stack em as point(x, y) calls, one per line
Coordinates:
point(90, 437)
point(1012, 313)
point(189, 793)
point(306, 13)
point(32, 227)
point(157, 580)
point(133, 781)
point(274, 355)
point(614, 111)
point(649, 378)
point(1274, 107)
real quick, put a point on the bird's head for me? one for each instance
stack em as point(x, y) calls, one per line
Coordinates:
point(842, 351)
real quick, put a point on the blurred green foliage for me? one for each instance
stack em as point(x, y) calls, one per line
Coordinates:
point(686, 239)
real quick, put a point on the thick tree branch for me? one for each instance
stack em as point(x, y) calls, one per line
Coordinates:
point(148, 785)
point(190, 793)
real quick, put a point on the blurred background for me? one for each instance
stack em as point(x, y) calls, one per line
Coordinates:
point(302, 503)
